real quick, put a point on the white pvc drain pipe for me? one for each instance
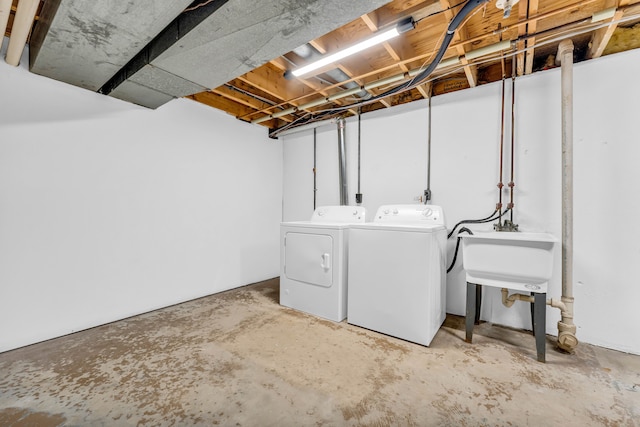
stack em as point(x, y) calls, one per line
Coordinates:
point(566, 328)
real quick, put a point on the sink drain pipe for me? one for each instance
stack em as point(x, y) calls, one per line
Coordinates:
point(342, 160)
point(567, 340)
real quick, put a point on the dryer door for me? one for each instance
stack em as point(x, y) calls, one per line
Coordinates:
point(309, 258)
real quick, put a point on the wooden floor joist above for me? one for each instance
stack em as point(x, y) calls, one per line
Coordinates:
point(535, 27)
point(532, 32)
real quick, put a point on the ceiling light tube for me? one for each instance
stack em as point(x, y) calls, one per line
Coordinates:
point(402, 27)
point(372, 85)
point(487, 50)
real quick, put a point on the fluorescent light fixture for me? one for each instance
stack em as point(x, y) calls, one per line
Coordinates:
point(402, 27)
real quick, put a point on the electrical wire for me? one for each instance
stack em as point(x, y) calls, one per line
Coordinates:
point(490, 218)
point(455, 252)
point(440, 11)
point(455, 23)
point(477, 221)
point(459, 19)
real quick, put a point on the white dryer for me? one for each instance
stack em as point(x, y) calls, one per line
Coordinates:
point(397, 272)
point(313, 261)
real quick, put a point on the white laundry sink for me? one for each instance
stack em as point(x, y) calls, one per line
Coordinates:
point(516, 260)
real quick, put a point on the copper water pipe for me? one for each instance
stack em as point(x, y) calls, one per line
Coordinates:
point(513, 134)
point(501, 184)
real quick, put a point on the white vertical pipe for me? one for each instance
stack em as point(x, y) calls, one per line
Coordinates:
point(566, 329)
point(5, 10)
point(22, 23)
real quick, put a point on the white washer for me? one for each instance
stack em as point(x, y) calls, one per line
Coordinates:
point(397, 273)
point(313, 261)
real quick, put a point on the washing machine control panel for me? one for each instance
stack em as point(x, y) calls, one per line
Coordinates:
point(343, 214)
point(398, 214)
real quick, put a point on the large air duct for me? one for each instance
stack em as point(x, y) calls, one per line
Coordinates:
point(342, 160)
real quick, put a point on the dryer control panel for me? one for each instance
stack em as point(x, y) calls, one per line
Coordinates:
point(341, 214)
point(403, 214)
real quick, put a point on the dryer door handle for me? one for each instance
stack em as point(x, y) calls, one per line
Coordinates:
point(326, 262)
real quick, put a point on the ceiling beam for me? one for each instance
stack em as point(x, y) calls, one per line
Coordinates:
point(388, 69)
point(373, 26)
point(532, 27)
point(222, 103)
point(244, 99)
point(425, 89)
point(601, 36)
point(471, 71)
point(270, 79)
point(386, 16)
point(523, 14)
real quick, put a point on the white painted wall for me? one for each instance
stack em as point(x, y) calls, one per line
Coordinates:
point(465, 174)
point(108, 210)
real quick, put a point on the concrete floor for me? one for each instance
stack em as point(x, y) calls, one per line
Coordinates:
point(239, 359)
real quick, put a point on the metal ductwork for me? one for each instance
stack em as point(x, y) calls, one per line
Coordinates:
point(151, 51)
point(86, 42)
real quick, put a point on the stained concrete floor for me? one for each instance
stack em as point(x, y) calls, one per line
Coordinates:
point(239, 359)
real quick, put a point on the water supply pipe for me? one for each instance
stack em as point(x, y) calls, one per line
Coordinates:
point(5, 11)
point(513, 135)
point(315, 171)
point(359, 193)
point(22, 23)
point(501, 182)
point(342, 160)
point(427, 192)
point(566, 328)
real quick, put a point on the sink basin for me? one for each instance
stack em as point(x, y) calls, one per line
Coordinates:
point(515, 260)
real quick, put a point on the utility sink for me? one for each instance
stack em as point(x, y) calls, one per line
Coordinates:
point(514, 260)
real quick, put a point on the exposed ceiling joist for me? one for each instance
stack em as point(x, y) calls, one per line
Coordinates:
point(601, 36)
point(220, 55)
point(470, 71)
